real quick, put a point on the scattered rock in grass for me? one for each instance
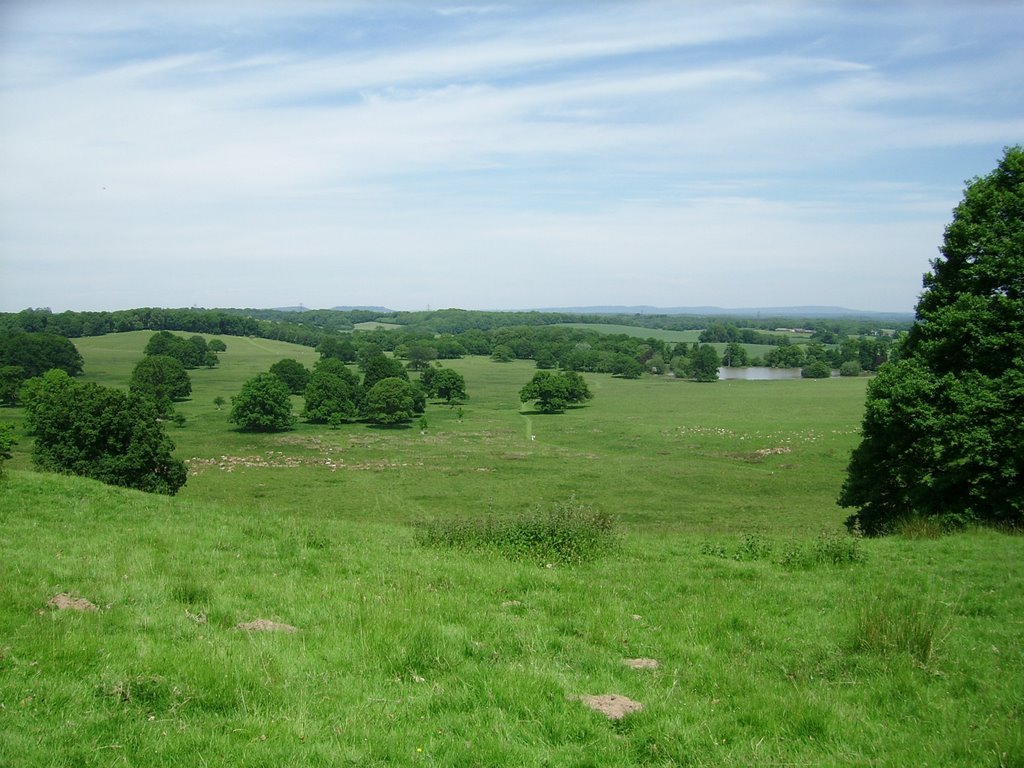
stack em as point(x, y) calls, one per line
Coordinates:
point(611, 705)
point(65, 602)
point(636, 617)
point(642, 663)
point(264, 625)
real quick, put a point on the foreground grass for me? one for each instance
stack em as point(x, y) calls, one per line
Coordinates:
point(406, 655)
point(777, 644)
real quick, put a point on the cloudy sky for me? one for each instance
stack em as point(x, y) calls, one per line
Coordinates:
point(492, 156)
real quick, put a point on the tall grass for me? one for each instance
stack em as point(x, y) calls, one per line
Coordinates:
point(566, 533)
point(891, 623)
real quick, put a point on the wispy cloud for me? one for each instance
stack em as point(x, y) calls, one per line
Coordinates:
point(657, 148)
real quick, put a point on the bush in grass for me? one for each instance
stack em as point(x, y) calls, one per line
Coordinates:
point(830, 548)
point(568, 533)
point(892, 624)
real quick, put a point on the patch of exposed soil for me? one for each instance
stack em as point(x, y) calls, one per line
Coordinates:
point(65, 602)
point(264, 625)
point(611, 705)
point(642, 663)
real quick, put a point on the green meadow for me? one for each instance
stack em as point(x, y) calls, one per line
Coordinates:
point(772, 637)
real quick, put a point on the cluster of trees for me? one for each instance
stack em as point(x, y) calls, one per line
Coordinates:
point(944, 423)
point(192, 352)
point(334, 393)
point(25, 355)
point(99, 432)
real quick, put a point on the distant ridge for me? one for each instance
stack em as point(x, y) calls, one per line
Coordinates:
point(300, 308)
point(805, 311)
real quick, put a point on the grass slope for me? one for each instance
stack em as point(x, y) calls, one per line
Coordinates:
point(769, 653)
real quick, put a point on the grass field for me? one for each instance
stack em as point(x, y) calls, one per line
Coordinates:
point(779, 641)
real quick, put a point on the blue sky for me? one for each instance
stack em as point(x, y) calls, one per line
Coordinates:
point(492, 155)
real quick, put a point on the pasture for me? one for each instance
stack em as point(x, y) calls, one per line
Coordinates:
point(777, 639)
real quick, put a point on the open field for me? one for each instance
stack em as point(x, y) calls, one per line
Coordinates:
point(771, 650)
point(675, 337)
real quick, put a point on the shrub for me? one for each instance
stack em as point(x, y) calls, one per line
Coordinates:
point(816, 369)
point(850, 368)
point(569, 533)
point(892, 624)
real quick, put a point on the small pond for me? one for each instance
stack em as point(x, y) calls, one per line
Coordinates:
point(761, 373)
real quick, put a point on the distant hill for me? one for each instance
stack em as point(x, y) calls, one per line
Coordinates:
point(300, 308)
point(810, 311)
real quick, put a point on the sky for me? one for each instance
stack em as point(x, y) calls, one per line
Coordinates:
point(505, 155)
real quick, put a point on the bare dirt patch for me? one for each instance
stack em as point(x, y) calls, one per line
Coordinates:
point(642, 663)
point(65, 602)
point(265, 625)
point(611, 705)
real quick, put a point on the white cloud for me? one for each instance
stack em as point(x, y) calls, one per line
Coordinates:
point(658, 148)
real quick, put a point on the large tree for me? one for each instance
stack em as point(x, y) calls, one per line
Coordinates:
point(554, 392)
point(264, 404)
point(944, 424)
point(391, 400)
point(293, 373)
point(99, 432)
point(36, 353)
point(162, 379)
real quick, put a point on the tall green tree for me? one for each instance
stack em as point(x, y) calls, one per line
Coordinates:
point(264, 404)
point(944, 424)
point(554, 392)
point(332, 394)
point(293, 373)
point(448, 384)
point(36, 353)
point(99, 432)
point(391, 401)
point(162, 379)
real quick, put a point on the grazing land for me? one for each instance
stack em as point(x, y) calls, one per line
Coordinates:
point(734, 609)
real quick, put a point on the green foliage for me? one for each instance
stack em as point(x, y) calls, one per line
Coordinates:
point(217, 345)
point(162, 379)
point(830, 548)
point(7, 442)
point(264, 404)
point(850, 368)
point(293, 373)
point(816, 369)
point(37, 353)
point(943, 424)
point(786, 356)
point(445, 383)
point(332, 394)
point(11, 379)
point(337, 348)
point(502, 353)
point(567, 533)
point(192, 352)
point(699, 362)
point(626, 366)
point(99, 432)
point(735, 355)
point(391, 401)
point(377, 366)
point(554, 392)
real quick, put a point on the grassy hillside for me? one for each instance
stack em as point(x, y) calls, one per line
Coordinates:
point(778, 640)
